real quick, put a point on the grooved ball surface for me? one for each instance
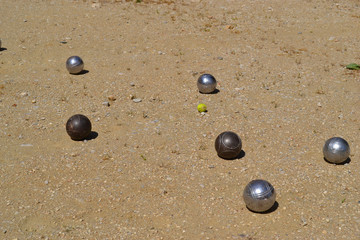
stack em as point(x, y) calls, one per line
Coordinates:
point(259, 195)
point(78, 127)
point(228, 145)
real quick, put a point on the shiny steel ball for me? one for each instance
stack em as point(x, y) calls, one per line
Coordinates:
point(78, 127)
point(228, 145)
point(206, 83)
point(336, 150)
point(74, 64)
point(259, 195)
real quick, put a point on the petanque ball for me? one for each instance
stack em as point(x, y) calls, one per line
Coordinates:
point(228, 145)
point(336, 150)
point(78, 127)
point(74, 64)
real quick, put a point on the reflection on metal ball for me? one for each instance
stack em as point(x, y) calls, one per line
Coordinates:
point(78, 127)
point(259, 195)
point(206, 83)
point(74, 64)
point(228, 145)
point(336, 150)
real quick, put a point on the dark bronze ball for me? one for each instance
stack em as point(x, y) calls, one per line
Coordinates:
point(78, 127)
point(228, 145)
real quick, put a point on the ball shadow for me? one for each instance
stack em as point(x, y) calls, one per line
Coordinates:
point(347, 161)
point(272, 209)
point(213, 92)
point(92, 136)
point(81, 73)
point(2, 49)
point(241, 154)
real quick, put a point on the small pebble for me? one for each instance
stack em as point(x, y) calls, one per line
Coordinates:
point(137, 100)
point(239, 89)
point(220, 58)
point(26, 145)
point(106, 104)
point(46, 182)
point(132, 84)
point(111, 98)
point(96, 5)
point(304, 222)
point(24, 94)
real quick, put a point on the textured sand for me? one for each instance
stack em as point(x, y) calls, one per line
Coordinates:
point(151, 170)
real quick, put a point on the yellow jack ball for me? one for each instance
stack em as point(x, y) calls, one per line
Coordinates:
point(202, 107)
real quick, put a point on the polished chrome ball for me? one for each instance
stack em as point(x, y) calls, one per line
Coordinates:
point(259, 195)
point(228, 145)
point(206, 83)
point(74, 64)
point(336, 150)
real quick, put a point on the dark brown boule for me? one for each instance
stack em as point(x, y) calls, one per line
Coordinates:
point(78, 127)
point(228, 145)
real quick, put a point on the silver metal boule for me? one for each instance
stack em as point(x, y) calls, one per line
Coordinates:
point(206, 83)
point(336, 150)
point(74, 64)
point(259, 195)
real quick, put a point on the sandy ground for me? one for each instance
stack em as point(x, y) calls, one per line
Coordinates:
point(151, 170)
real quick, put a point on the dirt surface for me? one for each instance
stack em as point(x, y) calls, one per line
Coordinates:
point(150, 169)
